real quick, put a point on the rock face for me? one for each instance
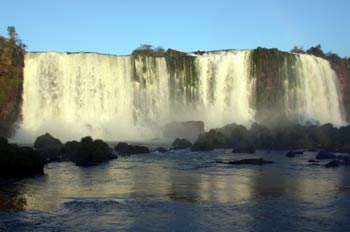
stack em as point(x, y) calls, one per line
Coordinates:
point(126, 149)
point(181, 144)
point(342, 67)
point(49, 146)
point(11, 81)
point(19, 162)
point(189, 130)
point(325, 155)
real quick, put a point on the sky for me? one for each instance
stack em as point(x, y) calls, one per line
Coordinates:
point(118, 27)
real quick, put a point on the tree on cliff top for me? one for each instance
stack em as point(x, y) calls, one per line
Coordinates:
point(316, 51)
point(149, 50)
point(297, 49)
point(13, 40)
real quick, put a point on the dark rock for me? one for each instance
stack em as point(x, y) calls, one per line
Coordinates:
point(189, 130)
point(19, 162)
point(126, 149)
point(92, 152)
point(313, 161)
point(332, 164)
point(259, 161)
point(249, 150)
point(134, 149)
point(325, 155)
point(70, 150)
point(213, 139)
point(201, 146)
point(346, 161)
point(122, 148)
point(49, 147)
point(161, 149)
point(292, 154)
point(181, 144)
point(342, 157)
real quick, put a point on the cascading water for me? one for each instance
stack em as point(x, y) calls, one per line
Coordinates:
point(132, 97)
point(316, 96)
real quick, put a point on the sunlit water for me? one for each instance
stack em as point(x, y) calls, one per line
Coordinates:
point(180, 191)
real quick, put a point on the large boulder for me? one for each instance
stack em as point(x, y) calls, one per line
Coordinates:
point(189, 130)
point(19, 162)
point(181, 144)
point(92, 152)
point(126, 149)
point(325, 155)
point(70, 150)
point(49, 146)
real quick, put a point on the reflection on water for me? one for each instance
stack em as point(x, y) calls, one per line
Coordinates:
point(179, 189)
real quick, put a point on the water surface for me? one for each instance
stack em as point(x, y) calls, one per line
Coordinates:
point(180, 191)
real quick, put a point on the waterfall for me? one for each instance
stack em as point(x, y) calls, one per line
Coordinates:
point(72, 95)
point(317, 96)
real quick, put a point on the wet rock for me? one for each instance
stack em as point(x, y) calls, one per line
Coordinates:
point(134, 149)
point(201, 146)
point(161, 149)
point(122, 148)
point(126, 149)
point(249, 150)
point(325, 155)
point(259, 161)
point(19, 162)
point(346, 161)
point(92, 152)
point(291, 154)
point(181, 144)
point(332, 164)
point(49, 146)
point(69, 150)
point(313, 161)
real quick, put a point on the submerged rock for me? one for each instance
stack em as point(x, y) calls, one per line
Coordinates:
point(291, 154)
point(259, 161)
point(313, 161)
point(161, 149)
point(181, 144)
point(248, 149)
point(332, 164)
point(19, 162)
point(126, 149)
point(325, 155)
point(49, 146)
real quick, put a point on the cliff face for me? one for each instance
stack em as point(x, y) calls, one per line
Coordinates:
point(342, 68)
point(11, 79)
point(271, 69)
